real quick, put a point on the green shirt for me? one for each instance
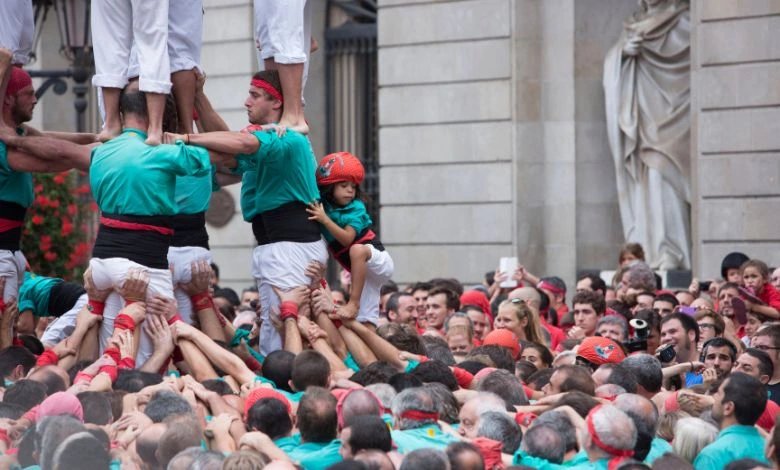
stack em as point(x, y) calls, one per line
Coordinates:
point(429, 435)
point(315, 456)
point(248, 192)
point(285, 169)
point(193, 193)
point(579, 459)
point(657, 448)
point(293, 397)
point(34, 293)
point(131, 178)
point(733, 443)
point(15, 186)
point(289, 443)
point(353, 215)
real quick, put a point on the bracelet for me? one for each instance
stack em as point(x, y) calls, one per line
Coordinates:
point(691, 364)
point(287, 310)
point(96, 307)
point(201, 301)
point(187, 136)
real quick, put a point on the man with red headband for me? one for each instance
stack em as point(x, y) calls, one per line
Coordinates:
point(19, 156)
point(285, 184)
point(416, 420)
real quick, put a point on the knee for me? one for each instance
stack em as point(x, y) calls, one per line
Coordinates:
point(359, 252)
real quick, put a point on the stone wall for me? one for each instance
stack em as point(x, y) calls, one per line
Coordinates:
point(736, 131)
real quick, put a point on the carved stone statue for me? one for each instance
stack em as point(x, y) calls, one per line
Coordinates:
point(647, 93)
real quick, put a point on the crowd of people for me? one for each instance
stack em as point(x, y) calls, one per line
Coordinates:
point(149, 364)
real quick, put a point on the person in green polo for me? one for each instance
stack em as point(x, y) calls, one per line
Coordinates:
point(738, 404)
point(416, 418)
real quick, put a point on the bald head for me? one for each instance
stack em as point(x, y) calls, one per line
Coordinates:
point(644, 414)
point(528, 294)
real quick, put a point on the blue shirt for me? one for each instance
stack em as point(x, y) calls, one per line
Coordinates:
point(733, 443)
point(429, 435)
point(657, 448)
point(317, 456)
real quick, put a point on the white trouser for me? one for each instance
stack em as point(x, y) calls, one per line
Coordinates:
point(63, 326)
point(185, 37)
point(283, 33)
point(180, 259)
point(17, 28)
point(281, 264)
point(12, 267)
point(116, 26)
point(111, 273)
point(379, 270)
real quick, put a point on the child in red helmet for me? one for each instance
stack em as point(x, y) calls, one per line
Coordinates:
point(346, 226)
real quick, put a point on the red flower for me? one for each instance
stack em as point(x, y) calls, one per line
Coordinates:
point(38, 188)
point(67, 228)
point(37, 220)
point(60, 178)
point(49, 256)
point(54, 203)
point(42, 200)
point(72, 209)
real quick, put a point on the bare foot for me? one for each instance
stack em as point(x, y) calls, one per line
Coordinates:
point(300, 126)
point(109, 132)
point(348, 311)
point(154, 137)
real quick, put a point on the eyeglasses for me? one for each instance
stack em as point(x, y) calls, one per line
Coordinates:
point(764, 347)
point(706, 326)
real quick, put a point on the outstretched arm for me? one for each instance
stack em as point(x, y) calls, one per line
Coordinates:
point(45, 154)
point(230, 143)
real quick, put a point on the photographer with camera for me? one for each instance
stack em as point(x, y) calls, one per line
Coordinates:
point(679, 340)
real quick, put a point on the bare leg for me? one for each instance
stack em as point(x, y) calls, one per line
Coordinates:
point(155, 102)
point(113, 125)
point(358, 258)
point(270, 64)
point(184, 85)
point(291, 76)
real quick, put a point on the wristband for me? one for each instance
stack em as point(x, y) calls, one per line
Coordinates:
point(253, 364)
point(82, 377)
point(113, 353)
point(96, 307)
point(287, 310)
point(4, 437)
point(201, 301)
point(127, 363)
point(48, 357)
point(337, 323)
point(2, 307)
point(174, 319)
point(111, 371)
point(124, 322)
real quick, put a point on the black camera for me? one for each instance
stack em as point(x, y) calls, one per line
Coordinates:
point(638, 342)
point(666, 353)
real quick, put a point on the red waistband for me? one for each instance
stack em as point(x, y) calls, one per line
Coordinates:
point(368, 236)
point(113, 223)
point(418, 415)
point(8, 224)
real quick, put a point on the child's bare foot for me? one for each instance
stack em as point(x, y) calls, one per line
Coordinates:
point(109, 132)
point(349, 311)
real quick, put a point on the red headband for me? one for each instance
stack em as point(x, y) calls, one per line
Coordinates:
point(550, 287)
point(18, 80)
point(621, 453)
point(256, 82)
point(418, 415)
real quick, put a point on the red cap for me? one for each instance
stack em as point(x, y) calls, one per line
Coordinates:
point(477, 299)
point(18, 80)
point(259, 393)
point(599, 350)
point(505, 338)
point(338, 167)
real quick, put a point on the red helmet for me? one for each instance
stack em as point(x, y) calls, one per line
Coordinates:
point(338, 167)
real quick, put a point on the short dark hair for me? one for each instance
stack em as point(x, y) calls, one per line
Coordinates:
point(687, 322)
point(403, 337)
point(269, 416)
point(622, 376)
point(580, 402)
point(228, 294)
point(376, 372)
point(451, 298)
point(310, 368)
point(719, 342)
point(772, 331)
point(544, 352)
point(25, 393)
point(369, 432)
point(506, 385)
point(594, 299)
point(134, 380)
point(97, 407)
point(426, 286)
point(667, 298)
point(394, 300)
point(540, 378)
point(270, 76)
point(277, 368)
point(219, 386)
point(133, 102)
point(596, 283)
point(500, 356)
point(164, 404)
point(11, 411)
point(402, 381)
point(436, 371)
point(748, 395)
point(13, 356)
point(456, 449)
point(765, 365)
point(577, 378)
point(647, 370)
point(388, 287)
point(317, 420)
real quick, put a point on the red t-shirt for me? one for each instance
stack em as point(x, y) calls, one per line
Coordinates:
point(770, 296)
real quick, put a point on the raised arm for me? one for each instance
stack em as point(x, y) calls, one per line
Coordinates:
point(225, 360)
point(5, 67)
point(208, 118)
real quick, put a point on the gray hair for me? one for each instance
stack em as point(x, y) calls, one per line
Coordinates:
point(208, 460)
point(489, 401)
point(614, 428)
point(445, 401)
point(545, 442)
point(647, 370)
point(506, 385)
point(500, 427)
point(458, 315)
point(184, 459)
point(644, 414)
point(385, 393)
point(52, 431)
point(562, 425)
point(415, 398)
point(691, 435)
point(425, 459)
point(614, 320)
point(641, 277)
point(165, 404)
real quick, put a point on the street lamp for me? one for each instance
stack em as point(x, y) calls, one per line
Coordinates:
point(73, 19)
